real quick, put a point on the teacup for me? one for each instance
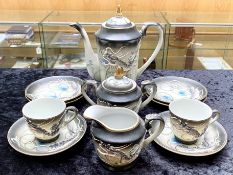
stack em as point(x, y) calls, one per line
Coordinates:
point(190, 119)
point(46, 116)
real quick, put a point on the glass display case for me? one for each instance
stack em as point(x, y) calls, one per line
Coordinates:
point(20, 39)
point(63, 45)
point(198, 40)
point(192, 40)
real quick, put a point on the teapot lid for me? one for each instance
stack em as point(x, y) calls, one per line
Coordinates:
point(118, 21)
point(118, 29)
point(119, 84)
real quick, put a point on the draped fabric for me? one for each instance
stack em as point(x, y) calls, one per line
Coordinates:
point(82, 159)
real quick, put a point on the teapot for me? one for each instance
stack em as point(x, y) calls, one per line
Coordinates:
point(119, 134)
point(118, 42)
point(120, 91)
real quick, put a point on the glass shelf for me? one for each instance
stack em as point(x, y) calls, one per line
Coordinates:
point(195, 35)
point(98, 17)
point(55, 41)
point(20, 38)
point(28, 44)
point(22, 17)
point(201, 19)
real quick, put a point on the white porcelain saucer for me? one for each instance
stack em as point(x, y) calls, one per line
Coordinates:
point(167, 104)
point(213, 141)
point(66, 88)
point(22, 139)
point(170, 88)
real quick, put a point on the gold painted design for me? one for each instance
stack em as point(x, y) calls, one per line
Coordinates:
point(119, 73)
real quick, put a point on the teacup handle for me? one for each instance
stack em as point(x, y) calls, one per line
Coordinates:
point(84, 88)
point(156, 133)
point(151, 96)
point(68, 118)
point(215, 116)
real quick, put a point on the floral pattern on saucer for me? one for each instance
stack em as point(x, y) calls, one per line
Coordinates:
point(212, 141)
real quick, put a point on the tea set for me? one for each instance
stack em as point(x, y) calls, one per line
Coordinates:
point(119, 134)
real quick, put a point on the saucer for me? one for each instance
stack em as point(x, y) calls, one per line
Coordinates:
point(22, 139)
point(66, 88)
point(211, 142)
point(67, 102)
point(172, 88)
point(167, 104)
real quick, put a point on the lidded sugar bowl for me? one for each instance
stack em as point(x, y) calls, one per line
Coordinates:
point(120, 91)
point(119, 134)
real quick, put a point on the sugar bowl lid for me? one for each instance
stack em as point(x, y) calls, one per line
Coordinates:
point(119, 84)
point(119, 89)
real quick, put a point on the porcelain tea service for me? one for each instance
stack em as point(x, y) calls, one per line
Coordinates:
point(118, 43)
point(119, 134)
point(120, 91)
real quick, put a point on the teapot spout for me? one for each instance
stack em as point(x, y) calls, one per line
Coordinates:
point(91, 57)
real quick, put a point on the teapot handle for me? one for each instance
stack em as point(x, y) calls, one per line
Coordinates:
point(144, 84)
point(158, 47)
point(84, 88)
point(155, 133)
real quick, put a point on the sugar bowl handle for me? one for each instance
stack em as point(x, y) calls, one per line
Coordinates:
point(87, 83)
point(144, 84)
point(150, 118)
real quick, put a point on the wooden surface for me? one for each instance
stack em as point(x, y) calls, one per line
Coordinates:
point(129, 5)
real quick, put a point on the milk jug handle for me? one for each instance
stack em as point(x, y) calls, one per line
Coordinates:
point(158, 47)
point(155, 133)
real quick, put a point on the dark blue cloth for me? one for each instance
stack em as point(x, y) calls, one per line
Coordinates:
point(82, 159)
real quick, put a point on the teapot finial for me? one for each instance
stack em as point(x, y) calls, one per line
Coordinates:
point(119, 73)
point(119, 11)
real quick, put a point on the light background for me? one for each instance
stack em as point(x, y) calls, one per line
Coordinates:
point(127, 5)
